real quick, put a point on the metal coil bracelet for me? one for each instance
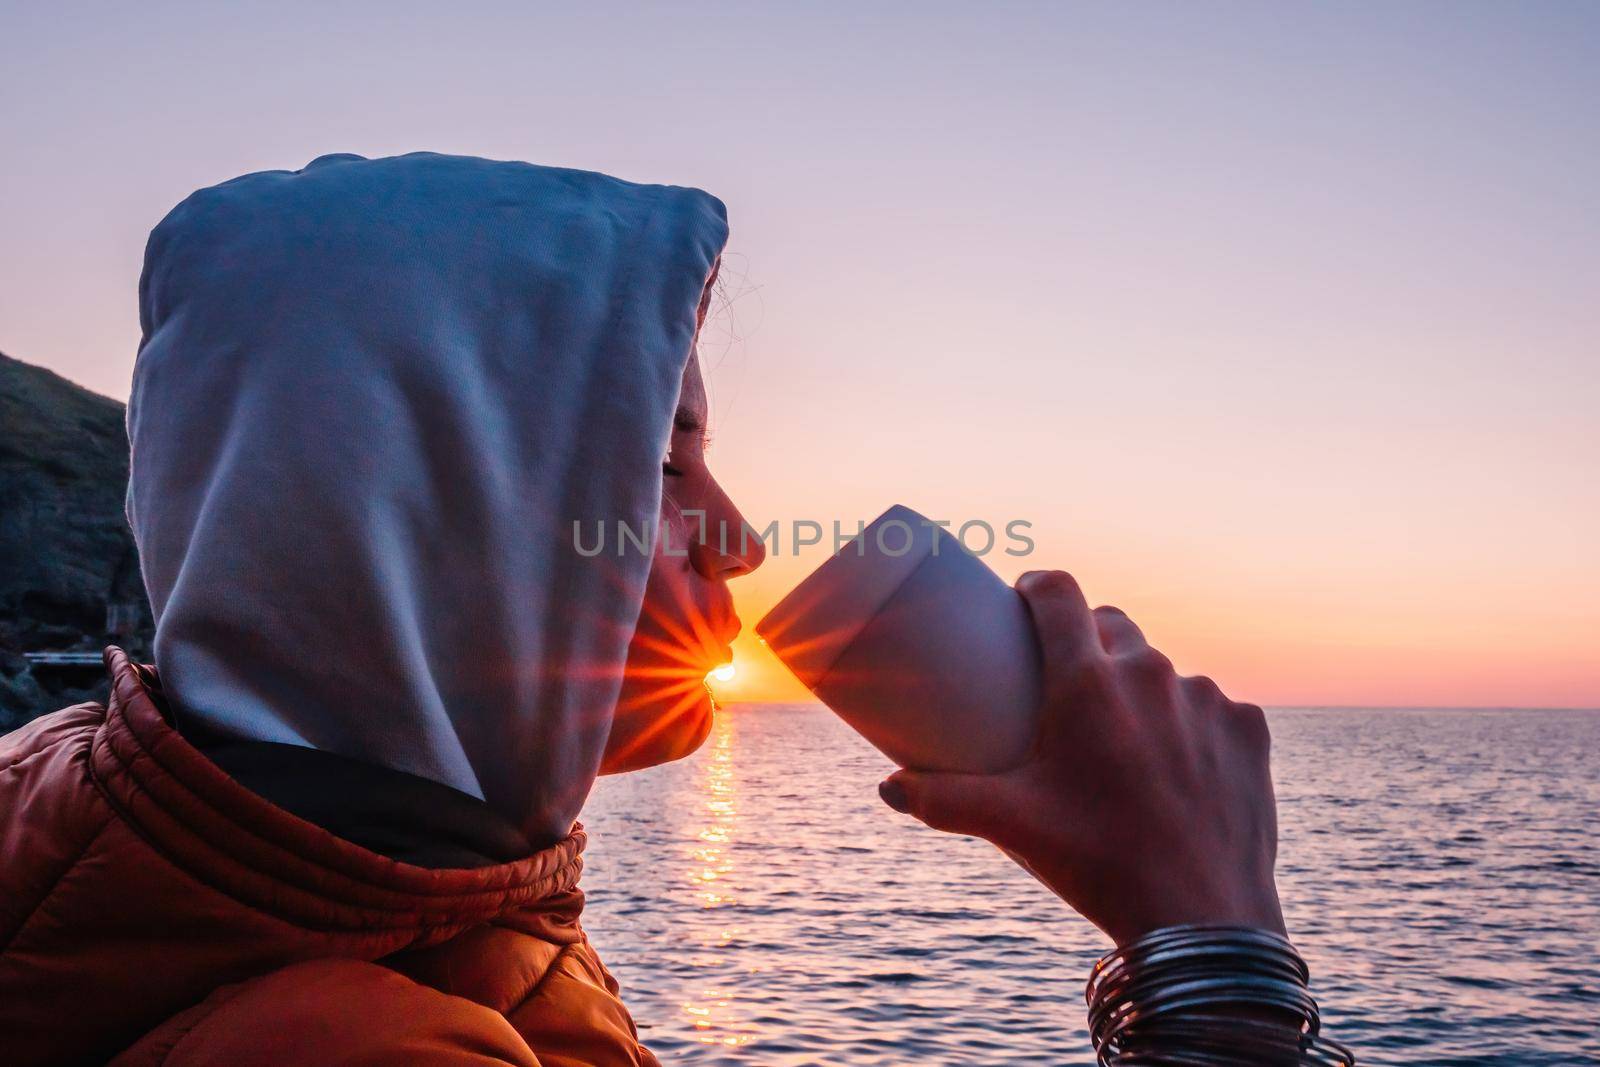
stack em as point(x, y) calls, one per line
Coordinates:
point(1207, 995)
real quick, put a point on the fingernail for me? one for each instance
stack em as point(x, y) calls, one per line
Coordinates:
point(894, 795)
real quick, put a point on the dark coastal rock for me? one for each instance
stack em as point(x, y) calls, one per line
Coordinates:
point(69, 572)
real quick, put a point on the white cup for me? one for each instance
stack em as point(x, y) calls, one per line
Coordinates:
point(918, 645)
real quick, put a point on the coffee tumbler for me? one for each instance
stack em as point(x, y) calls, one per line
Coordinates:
point(918, 645)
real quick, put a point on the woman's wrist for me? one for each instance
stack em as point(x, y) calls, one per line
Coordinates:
point(1153, 898)
point(1227, 994)
point(1252, 907)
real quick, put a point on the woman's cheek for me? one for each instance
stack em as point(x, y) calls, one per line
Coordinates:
point(672, 534)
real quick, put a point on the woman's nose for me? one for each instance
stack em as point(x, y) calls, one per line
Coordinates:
point(729, 548)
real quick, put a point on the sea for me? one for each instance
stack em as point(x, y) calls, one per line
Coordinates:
point(1439, 869)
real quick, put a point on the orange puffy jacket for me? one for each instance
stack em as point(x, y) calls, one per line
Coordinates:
point(154, 911)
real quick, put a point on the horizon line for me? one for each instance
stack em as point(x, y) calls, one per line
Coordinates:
point(1588, 708)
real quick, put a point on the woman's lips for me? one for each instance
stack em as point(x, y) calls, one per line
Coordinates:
point(726, 637)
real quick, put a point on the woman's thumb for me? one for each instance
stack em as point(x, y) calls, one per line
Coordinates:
point(974, 804)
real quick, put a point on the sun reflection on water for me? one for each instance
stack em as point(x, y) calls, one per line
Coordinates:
point(710, 871)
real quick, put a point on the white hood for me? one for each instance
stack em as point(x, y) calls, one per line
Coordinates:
point(371, 400)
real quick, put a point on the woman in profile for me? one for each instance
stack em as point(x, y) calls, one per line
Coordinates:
point(381, 412)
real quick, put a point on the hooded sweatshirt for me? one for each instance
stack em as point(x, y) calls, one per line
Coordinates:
point(372, 400)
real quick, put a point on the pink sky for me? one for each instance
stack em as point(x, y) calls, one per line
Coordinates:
point(1281, 330)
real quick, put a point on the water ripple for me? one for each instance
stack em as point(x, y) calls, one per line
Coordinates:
point(760, 905)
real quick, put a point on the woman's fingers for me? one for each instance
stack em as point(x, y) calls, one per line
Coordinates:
point(1202, 692)
point(978, 805)
point(1060, 616)
point(1118, 633)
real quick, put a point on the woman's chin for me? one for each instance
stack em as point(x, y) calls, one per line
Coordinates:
point(659, 730)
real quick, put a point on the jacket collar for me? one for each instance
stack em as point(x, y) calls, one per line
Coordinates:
point(230, 838)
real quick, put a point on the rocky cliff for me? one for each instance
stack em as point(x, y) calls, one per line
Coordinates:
point(69, 573)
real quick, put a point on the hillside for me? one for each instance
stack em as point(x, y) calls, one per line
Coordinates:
point(69, 574)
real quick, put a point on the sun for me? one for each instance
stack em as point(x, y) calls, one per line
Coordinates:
point(723, 673)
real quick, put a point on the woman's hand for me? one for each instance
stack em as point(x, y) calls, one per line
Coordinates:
point(1148, 799)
